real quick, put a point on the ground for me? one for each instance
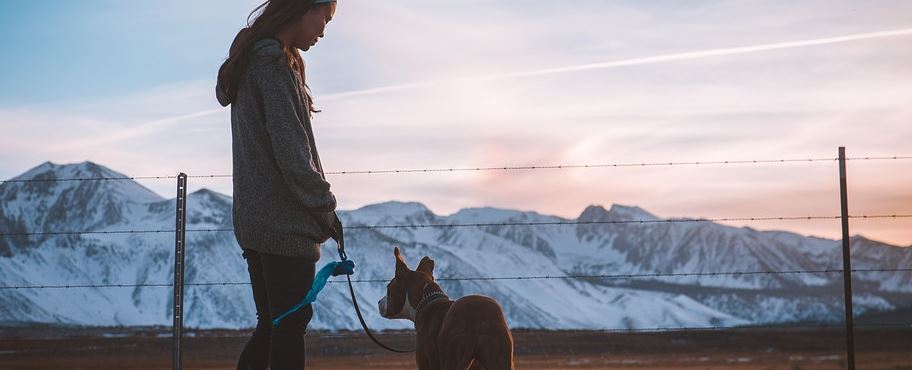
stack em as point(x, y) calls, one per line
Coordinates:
point(792, 349)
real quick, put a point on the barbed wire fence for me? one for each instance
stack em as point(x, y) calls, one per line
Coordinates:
point(179, 231)
point(477, 278)
point(497, 168)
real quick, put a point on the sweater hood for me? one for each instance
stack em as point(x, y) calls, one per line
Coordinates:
point(263, 47)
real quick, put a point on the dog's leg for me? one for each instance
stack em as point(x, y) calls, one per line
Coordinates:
point(457, 354)
point(456, 362)
point(496, 352)
point(425, 362)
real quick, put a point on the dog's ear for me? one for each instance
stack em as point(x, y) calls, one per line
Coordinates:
point(401, 267)
point(426, 265)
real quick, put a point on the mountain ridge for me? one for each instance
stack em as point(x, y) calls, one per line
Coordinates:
point(593, 212)
point(658, 250)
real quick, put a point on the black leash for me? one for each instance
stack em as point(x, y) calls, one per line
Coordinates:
point(340, 243)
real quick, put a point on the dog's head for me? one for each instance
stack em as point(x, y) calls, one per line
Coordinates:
point(404, 292)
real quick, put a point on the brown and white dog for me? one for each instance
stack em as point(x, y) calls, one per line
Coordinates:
point(468, 333)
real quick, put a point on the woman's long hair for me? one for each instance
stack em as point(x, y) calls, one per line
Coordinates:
point(274, 16)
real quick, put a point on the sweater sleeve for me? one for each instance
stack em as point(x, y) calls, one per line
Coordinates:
point(290, 142)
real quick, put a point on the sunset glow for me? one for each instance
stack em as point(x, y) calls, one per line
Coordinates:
point(405, 84)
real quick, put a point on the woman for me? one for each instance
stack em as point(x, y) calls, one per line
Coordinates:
point(283, 208)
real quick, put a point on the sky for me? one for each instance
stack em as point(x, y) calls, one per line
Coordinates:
point(476, 83)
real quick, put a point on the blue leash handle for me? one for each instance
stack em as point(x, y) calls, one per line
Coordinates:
point(345, 267)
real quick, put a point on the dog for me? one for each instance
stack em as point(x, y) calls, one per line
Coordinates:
point(468, 333)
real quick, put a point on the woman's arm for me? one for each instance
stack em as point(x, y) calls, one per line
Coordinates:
point(290, 141)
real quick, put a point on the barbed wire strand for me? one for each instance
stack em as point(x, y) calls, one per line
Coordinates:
point(348, 333)
point(90, 179)
point(93, 232)
point(487, 224)
point(496, 168)
point(484, 278)
point(409, 333)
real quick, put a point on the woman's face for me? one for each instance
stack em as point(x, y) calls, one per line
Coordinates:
point(309, 29)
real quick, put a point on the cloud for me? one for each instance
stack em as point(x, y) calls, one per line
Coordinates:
point(418, 84)
point(146, 128)
point(664, 58)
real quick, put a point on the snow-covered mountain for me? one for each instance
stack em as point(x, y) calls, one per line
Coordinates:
point(498, 251)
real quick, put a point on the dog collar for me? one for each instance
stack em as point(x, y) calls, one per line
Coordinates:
point(428, 298)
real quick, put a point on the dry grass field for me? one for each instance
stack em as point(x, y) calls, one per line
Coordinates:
point(745, 349)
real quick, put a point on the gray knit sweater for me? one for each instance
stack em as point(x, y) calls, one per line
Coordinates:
point(282, 202)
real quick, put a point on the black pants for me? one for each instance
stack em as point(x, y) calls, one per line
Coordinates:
point(279, 283)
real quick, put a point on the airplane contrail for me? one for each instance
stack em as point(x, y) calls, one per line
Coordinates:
point(708, 53)
point(631, 62)
point(138, 130)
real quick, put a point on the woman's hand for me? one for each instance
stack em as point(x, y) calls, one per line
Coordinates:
point(328, 222)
